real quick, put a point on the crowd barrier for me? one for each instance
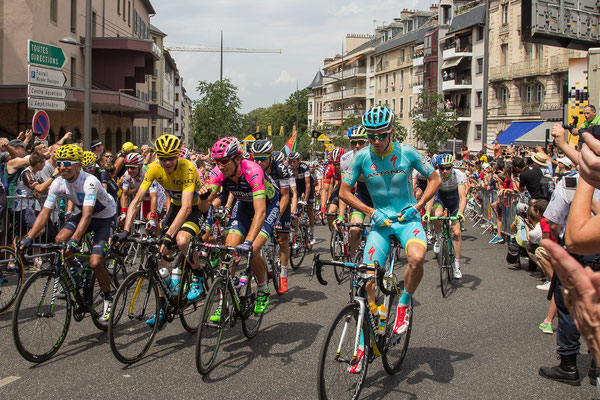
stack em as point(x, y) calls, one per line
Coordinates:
point(483, 213)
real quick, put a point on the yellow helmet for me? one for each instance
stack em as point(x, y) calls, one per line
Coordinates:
point(88, 160)
point(167, 146)
point(69, 152)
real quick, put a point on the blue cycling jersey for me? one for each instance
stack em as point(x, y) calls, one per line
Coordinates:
point(389, 176)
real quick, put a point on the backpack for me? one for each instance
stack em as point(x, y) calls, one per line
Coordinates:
point(547, 187)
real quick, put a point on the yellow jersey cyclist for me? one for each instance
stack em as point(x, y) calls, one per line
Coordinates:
point(255, 211)
point(97, 215)
point(181, 182)
point(387, 168)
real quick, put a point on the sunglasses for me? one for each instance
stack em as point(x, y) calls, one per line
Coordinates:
point(357, 142)
point(66, 163)
point(167, 159)
point(379, 136)
point(261, 158)
point(108, 156)
point(445, 168)
point(88, 168)
point(223, 161)
point(132, 166)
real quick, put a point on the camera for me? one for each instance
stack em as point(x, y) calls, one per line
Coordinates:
point(573, 124)
point(38, 134)
point(570, 182)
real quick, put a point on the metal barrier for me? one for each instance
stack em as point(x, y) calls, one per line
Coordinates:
point(483, 214)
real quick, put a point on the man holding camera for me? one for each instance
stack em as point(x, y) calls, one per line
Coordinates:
point(591, 119)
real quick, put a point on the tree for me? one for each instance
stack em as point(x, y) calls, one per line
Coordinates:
point(432, 124)
point(216, 114)
point(298, 102)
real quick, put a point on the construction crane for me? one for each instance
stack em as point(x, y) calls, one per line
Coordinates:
point(202, 49)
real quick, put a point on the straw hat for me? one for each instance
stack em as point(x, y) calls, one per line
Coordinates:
point(540, 159)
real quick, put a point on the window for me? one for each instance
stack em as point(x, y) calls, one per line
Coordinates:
point(504, 51)
point(539, 93)
point(119, 7)
point(402, 80)
point(73, 16)
point(401, 110)
point(504, 14)
point(503, 96)
point(94, 16)
point(393, 81)
point(73, 71)
point(402, 54)
point(177, 112)
point(528, 47)
point(176, 96)
point(124, 14)
point(387, 81)
point(53, 11)
point(478, 98)
point(129, 12)
point(477, 131)
point(393, 105)
point(479, 66)
point(480, 33)
point(527, 94)
point(539, 51)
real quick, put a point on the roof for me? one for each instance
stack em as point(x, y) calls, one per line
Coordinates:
point(149, 7)
point(416, 36)
point(317, 80)
point(475, 16)
point(156, 30)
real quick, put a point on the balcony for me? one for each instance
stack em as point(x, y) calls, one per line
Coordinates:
point(418, 61)
point(454, 52)
point(502, 109)
point(526, 68)
point(500, 73)
point(348, 93)
point(346, 74)
point(461, 83)
point(338, 114)
point(530, 108)
point(417, 88)
point(561, 63)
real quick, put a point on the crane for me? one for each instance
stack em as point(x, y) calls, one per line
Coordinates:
point(202, 49)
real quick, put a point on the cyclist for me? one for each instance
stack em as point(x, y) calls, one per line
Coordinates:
point(304, 185)
point(254, 213)
point(331, 185)
point(97, 215)
point(88, 164)
point(452, 195)
point(181, 182)
point(358, 139)
point(262, 151)
point(387, 167)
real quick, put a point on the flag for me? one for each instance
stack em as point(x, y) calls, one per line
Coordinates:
point(257, 128)
point(281, 130)
point(269, 130)
point(290, 145)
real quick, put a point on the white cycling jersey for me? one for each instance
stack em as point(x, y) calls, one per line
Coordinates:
point(86, 190)
point(456, 179)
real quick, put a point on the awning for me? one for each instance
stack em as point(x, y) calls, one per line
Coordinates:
point(334, 66)
point(451, 63)
point(354, 59)
point(529, 133)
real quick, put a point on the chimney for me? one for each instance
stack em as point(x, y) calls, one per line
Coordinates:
point(405, 14)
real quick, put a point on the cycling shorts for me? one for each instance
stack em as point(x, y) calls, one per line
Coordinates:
point(335, 197)
point(285, 220)
point(243, 213)
point(365, 198)
point(450, 201)
point(378, 246)
point(191, 225)
point(102, 229)
point(422, 184)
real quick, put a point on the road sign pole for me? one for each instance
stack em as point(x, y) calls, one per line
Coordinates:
point(87, 106)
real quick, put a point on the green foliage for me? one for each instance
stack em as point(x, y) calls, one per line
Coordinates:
point(216, 114)
point(432, 124)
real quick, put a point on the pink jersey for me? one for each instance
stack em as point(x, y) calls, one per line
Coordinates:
point(251, 185)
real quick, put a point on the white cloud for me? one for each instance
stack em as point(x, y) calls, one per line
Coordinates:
point(284, 77)
point(348, 9)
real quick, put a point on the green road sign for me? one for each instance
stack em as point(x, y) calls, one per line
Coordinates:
point(45, 54)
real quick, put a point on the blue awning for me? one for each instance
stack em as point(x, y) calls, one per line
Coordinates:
point(515, 131)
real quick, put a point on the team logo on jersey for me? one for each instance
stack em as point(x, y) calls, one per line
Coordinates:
point(80, 197)
point(373, 167)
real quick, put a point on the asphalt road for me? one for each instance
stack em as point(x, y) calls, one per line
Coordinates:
point(482, 341)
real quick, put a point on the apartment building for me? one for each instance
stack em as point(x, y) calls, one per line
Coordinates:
point(122, 57)
point(315, 101)
point(178, 107)
point(187, 116)
point(525, 80)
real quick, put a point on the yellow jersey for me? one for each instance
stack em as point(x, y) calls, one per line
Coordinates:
point(185, 178)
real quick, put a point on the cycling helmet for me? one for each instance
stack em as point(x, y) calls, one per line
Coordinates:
point(184, 153)
point(435, 160)
point(336, 155)
point(277, 156)
point(134, 160)
point(294, 155)
point(69, 152)
point(247, 156)
point(167, 146)
point(357, 132)
point(446, 159)
point(262, 147)
point(227, 147)
point(378, 117)
point(88, 160)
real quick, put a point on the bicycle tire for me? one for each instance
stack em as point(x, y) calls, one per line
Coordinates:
point(275, 268)
point(444, 269)
point(35, 309)
point(192, 310)
point(396, 345)
point(116, 272)
point(11, 277)
point(250, 320)
point(206, 350)
point(132, 325)
point(297, 256)
point(337, 252)
point(334, 365)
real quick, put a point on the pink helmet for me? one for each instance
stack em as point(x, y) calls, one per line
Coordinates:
point(134, 160)
point(184, 153)
point(227, 147)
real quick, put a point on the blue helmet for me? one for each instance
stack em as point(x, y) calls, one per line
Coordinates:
point(378, 117)
point(435, 160)
point(357, 132)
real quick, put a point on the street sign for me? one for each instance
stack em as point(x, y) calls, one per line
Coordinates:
point(330, 146)
point(45, 55)
point(323, 138)
point(46, 104)
point(41, 123)
point(45, 76)
point(249, 138)
point(41, 91)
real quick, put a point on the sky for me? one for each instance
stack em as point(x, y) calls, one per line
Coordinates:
point(306, 31)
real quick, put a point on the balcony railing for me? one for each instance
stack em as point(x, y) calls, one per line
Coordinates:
point(530, 108)
point(529, 68)
point(502, 109)
point(338, 114)
point(347, 73)
point(347, 93)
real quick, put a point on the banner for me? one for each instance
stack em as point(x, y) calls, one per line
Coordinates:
point(257, 128)
point(290, 145)
point(281, 130)
point(269, 130)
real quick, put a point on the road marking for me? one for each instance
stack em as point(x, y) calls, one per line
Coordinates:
point(8, 380)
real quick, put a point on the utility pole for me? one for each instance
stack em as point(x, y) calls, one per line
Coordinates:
point(221, 76)
point(87, 104)
point(342, 103)
point(486, 67)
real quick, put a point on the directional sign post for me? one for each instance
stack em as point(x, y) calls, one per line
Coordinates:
point(42, 91)
point(46, 76)
point(46, 104)
point(45, 55)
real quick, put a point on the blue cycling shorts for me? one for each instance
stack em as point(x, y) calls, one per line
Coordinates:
point(378, 246)
point(243, 213)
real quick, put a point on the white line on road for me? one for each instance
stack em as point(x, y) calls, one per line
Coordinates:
point(8, 380)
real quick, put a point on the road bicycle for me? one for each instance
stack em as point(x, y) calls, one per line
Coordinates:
point(300, 241)
point(131, 330)
point(11, 277)
point(340, 246)
point(51, 296)
point(357, 336)
point(271, 252)
point(446, 255)
point(224, 305)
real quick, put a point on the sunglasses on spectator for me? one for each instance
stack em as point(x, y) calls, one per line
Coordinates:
point(223, 161)
point(445, 168)
point(167, 159)
point(261, 158)
point(357, 142)
point(108, 156)
point(379, 136)
point(66, 163)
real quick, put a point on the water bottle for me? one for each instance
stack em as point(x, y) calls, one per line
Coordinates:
point(86, 274)
point(176, 279)
point(383, 312)
point(164, 273)
point(345, 236)
point(74, 268)
point(243, 280)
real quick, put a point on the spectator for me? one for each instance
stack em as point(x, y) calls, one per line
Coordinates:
point(591, 119)
point(496, 148)
point(466, 154)
point(97, 148)
point(564, 168)
point(530, 176)
point(127, 148)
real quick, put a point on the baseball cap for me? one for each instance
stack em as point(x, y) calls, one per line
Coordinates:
point(128, 146)
point(95, 142)
point(16, 143)
point(566, 161)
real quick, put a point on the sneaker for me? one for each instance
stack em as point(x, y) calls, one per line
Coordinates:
point(12, 267)
point(436, 246)
point(356, 368)
point(37, 263)
point(402, 319)
point(456, 272)
point(151, 321)
point(546, 327)
point(2, 280)
point(262, 302)
point(494, 240)
point(544, 286)
point(60, 294)
point(216, 317)
point(196, 289)
point(282, 285)
point(106, 313)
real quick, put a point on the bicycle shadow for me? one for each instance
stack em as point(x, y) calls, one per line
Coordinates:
point(297, 295)
point(75, 347)
point(281, 340)
point(415, 370)
point(174, 343)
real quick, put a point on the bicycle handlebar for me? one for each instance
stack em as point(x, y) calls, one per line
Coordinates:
point(318, 264)
point(444, 219)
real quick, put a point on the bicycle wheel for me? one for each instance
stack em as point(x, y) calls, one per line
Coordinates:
point(211, 332)
point(297, 254)
point(116, 272)
point(190, 315)
point(136, 301)
point(11, 277)
point(337, 252)
point(41, 319)
point(334, 380)
point(396, 346)
point(275, 273)
point(445, 273)
point(250, 321)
